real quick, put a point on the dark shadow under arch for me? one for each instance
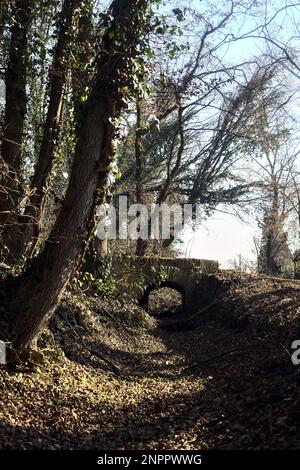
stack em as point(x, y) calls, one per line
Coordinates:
point(144, 300)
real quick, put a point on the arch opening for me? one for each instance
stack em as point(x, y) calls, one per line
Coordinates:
point(166, 299)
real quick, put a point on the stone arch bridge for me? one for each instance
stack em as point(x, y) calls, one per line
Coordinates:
point(136, 277)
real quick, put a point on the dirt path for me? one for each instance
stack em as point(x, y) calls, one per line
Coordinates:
point(226, 382)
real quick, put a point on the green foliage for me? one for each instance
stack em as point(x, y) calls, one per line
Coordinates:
point(100, 286)
point(100, 281)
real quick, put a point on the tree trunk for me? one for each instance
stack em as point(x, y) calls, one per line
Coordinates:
point(81, 72)
point(40, 288)
point(141, 245)
point(15, 110)
point(3, 20)
point(31, 221)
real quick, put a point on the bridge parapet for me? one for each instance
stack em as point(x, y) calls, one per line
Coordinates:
point(137, 276)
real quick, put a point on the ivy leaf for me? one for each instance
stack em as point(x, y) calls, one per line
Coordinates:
point(149, 53)
point(178, 13)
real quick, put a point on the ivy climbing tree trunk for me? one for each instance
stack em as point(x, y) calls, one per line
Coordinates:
point(141, 244)
point(40, 288)
point(29, 228)
point(83, 55)
point(3, 20)
point(15, 110)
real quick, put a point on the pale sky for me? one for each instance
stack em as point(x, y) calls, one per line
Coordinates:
point(222, 237)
